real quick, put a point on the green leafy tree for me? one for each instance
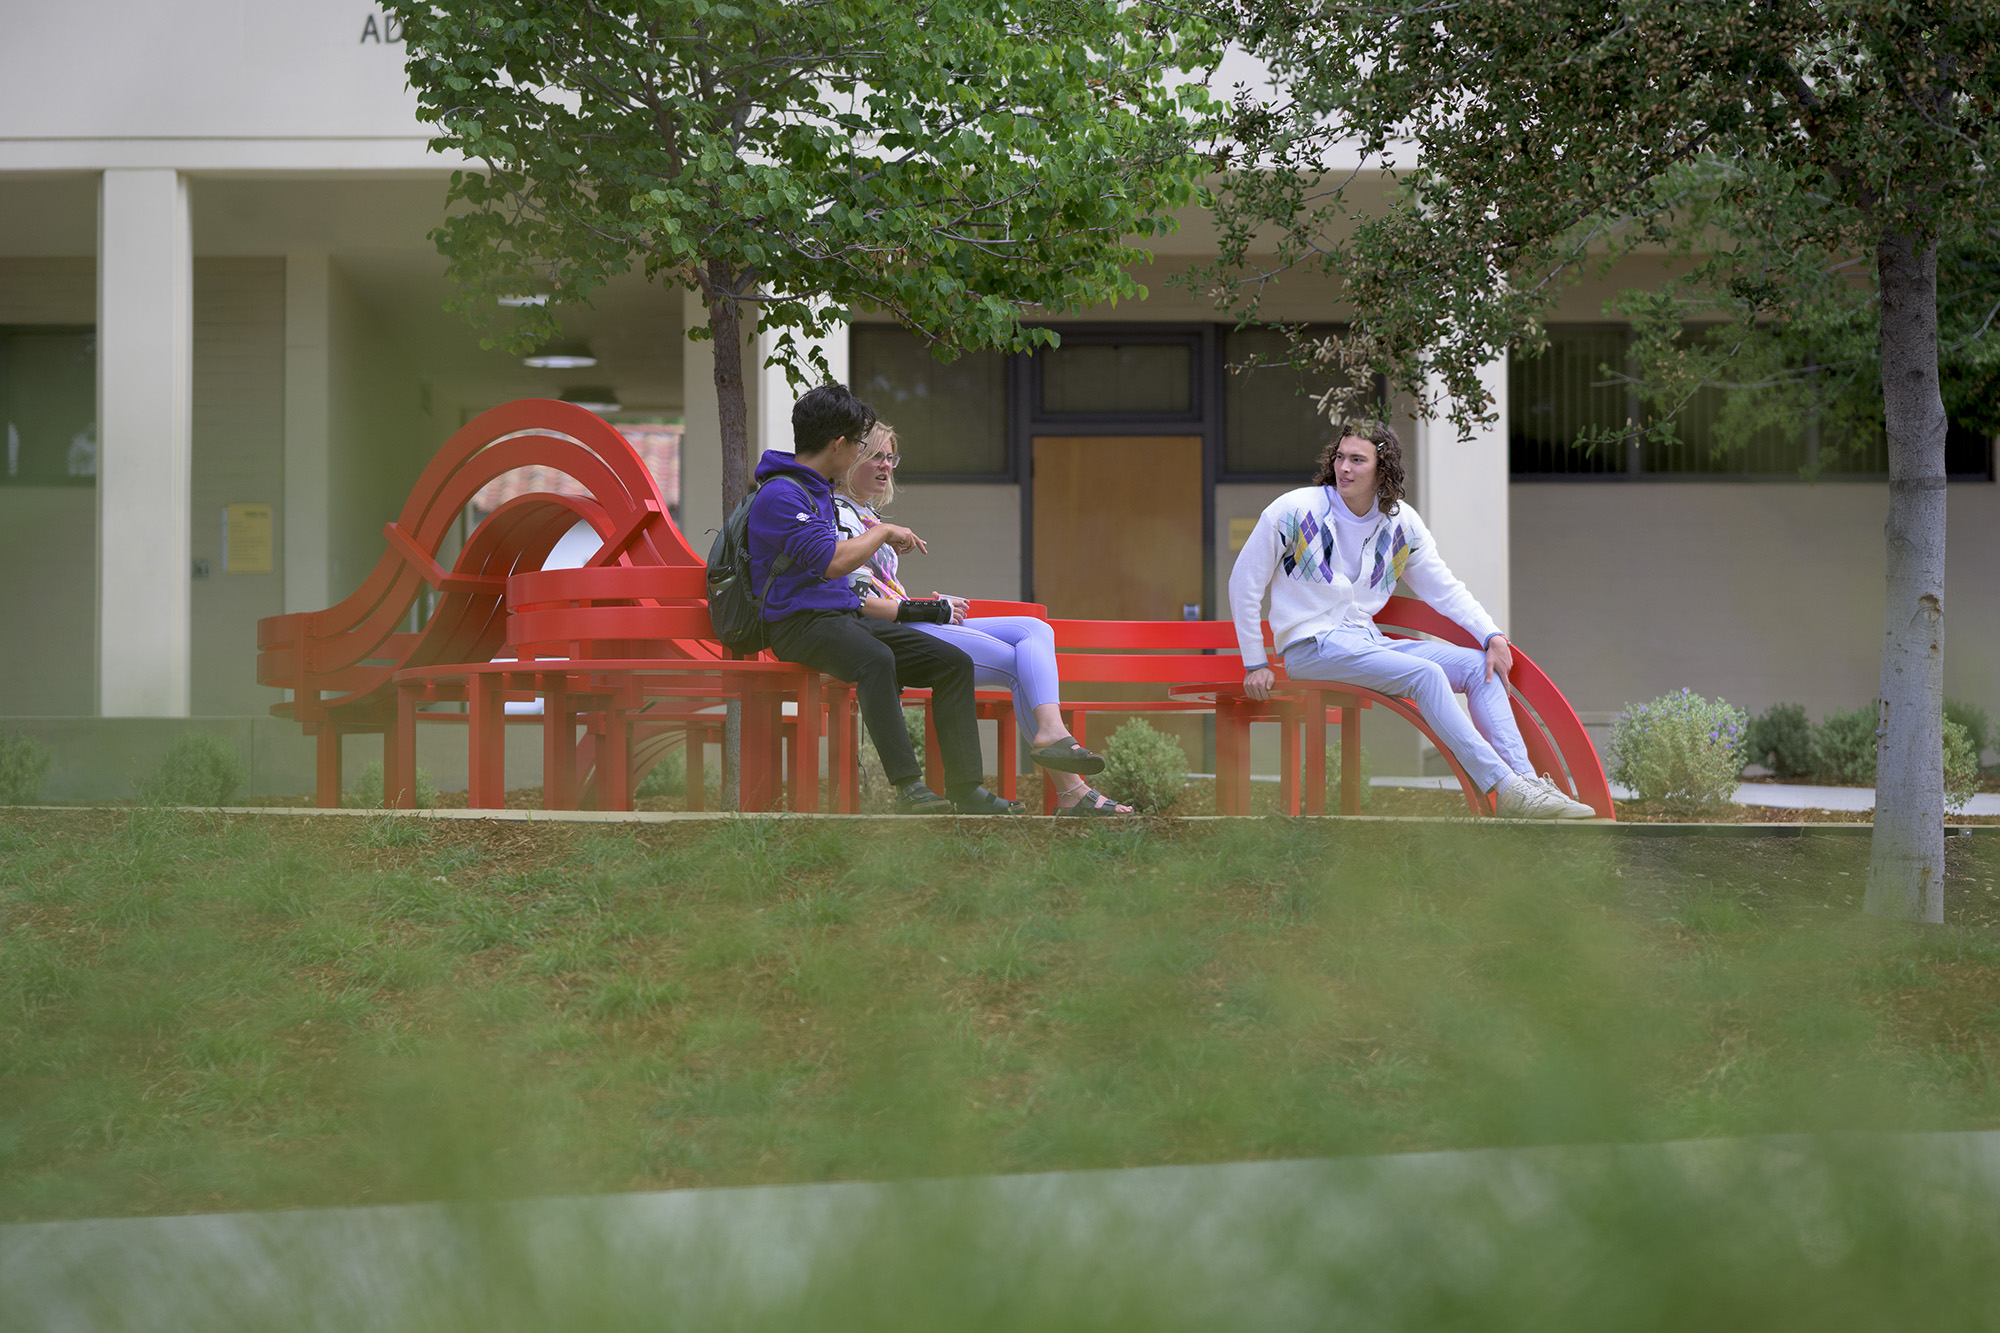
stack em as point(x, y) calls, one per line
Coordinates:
point(954, 163)
point(1811, 158)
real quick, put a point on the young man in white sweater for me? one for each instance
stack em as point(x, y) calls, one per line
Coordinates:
point(1330, 554)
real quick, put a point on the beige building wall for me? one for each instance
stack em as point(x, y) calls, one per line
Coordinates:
point(376, 428)
point(1760, 593)
point(239, 458)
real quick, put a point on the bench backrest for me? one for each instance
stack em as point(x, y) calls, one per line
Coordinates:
point(351, 650)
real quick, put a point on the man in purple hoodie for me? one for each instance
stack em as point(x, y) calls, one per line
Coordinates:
point(816, 619)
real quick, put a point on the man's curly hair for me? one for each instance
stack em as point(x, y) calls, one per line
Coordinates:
point(1388, 459)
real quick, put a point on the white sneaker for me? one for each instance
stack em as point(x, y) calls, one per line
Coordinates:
point(1523, 797)
point(1572, 808)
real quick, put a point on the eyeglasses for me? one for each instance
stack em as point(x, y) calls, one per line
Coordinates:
point(893, 460)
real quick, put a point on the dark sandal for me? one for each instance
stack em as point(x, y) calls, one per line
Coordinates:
point(1066, 756)
point(1093, 804)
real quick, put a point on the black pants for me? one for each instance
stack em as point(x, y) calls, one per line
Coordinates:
point(880, 658)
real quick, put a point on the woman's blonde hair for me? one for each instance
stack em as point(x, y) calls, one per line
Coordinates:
point(881, 437)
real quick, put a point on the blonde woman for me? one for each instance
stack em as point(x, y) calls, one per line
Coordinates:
point(1015, 653)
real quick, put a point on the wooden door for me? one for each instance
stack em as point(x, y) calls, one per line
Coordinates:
point(1117, 525)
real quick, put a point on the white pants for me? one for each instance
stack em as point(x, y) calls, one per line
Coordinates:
point(1488, 746)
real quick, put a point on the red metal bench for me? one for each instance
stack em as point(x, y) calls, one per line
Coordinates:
point(623, 648)
point(352, 669)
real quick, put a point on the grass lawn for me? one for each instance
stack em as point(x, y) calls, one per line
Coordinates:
point(204, 1012)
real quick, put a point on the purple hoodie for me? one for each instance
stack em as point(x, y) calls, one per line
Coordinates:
point(793, 513)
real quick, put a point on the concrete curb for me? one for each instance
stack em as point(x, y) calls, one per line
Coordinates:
point(1230, 1245)
point(1607, 826)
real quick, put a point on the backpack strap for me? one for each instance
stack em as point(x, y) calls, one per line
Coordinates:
point(779, 562)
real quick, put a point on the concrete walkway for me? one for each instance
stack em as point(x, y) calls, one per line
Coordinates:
point(1772, 795)
point(1355, 1242)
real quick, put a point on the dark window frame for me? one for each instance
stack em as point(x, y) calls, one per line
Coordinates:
point(1009, 466)
point(1112, 335)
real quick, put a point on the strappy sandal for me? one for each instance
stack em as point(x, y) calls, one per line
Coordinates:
point(1093, 804)
point(1066, 756)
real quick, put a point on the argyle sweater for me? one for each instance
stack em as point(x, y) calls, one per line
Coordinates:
point(1292, 554)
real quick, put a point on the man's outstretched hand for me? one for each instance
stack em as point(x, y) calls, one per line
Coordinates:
point(1499, 657)
point(1257, 684)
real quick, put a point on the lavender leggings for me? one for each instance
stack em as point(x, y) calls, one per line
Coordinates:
point(1015, 653)
point(1489, 745)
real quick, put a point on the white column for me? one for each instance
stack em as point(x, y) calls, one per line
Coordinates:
point(145, 335)
point(306, 519)
point(775, 394)
point(1462, 494)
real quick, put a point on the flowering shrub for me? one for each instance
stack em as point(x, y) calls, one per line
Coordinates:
point(1680, 749)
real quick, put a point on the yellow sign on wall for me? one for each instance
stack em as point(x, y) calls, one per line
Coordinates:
point(246, 539)
point(1239, 532)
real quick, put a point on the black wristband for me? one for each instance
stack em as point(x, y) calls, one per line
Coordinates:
point(924, 611)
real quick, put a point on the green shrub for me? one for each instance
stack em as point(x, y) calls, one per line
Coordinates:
point(366, 793)
point(1780, 738)
point(1961, 765)
point(199, 769)
point(1978, 726)
point(668, 777)
point(1843, 747)
point(1681, 750)
point(1143, 767)
point(1843, 752)
point(22, 763)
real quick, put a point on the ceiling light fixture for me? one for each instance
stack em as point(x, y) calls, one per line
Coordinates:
point(564, 356)
point(598, 398)
point(525, 298)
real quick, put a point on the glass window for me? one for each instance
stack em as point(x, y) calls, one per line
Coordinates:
point(951, 418)
point(1571, 392)
point(48, 407)
point(1272, 424)
point(1567, 393)
point(1136, 378)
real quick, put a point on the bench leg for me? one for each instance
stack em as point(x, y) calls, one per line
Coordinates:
point(558, 747)
point(399, 753)
point(805, 747)
point(1288, 760)
point(696, 746)
point(933, 752)
point(326, 767)
point(843, 754)
point(1350, 758)
point(486, 743)
point(614, 757)
point(1010, 759)
point(763, 739)
point(1313, 720)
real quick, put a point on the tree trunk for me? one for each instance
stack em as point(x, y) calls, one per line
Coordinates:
point(732, 415)
point(1906, 863)
point(732, 411)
